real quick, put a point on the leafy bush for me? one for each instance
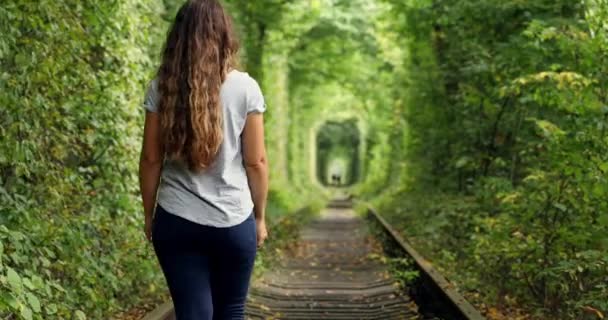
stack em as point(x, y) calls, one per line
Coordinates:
point(72, 74)
point(506, 176)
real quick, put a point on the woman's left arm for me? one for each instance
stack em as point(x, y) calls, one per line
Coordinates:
point(150, 164)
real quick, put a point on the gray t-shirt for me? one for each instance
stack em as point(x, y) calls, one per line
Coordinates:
point(218, 196)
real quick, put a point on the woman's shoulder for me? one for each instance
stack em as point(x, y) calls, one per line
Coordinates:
point(245, 86)
point(242, 76)
point(242, 82)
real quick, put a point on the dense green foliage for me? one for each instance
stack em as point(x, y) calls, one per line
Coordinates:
point(69, 90)
point(507, 149)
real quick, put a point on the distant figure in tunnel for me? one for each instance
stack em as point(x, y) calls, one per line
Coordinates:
point(336, 179)
point(203, 170)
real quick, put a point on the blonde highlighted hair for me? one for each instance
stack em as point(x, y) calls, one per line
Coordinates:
point(200, 51)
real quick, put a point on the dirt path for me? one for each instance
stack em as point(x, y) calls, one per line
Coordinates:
point(330, 276)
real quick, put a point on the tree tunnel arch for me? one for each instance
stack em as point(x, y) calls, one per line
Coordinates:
point(323, 86)
point(353, 119)
point(338, 158)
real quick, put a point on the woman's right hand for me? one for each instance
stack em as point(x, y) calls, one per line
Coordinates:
point(256, 167)
point(262, 232)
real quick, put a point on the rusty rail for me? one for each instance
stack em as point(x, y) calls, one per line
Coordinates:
point(432, 292)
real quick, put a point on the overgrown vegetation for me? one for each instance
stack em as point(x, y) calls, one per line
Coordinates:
point(506, 176)
point(400, 264)
point(70, 235)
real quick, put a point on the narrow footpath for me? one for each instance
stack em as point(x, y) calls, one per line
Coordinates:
point(331, 275)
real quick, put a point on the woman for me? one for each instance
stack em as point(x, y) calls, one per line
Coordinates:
point(203, 170)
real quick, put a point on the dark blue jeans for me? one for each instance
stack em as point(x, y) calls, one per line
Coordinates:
point(207, 269)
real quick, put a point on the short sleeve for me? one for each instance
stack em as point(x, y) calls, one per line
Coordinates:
point(255, 98)
point(151, 97)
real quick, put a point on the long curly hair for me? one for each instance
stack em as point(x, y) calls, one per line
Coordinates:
point(201, 49)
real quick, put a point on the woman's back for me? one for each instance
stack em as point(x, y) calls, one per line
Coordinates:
point(218, 196)
point(203, 171)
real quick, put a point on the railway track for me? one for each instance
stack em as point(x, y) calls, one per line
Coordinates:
point(334, 273)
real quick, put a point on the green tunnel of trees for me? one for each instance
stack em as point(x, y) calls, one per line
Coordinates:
point(476, 127)
point(338, 153)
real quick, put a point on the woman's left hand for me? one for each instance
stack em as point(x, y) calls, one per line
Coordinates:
point(148, 228)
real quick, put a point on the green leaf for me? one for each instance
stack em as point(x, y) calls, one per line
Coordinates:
point(58, 287)
point(10, 300)
point(49, 253)
point(28, 284)
point(560, 206)
point(13, 278)
point(547, 128)
point(50, 308)
point(80, 315)
point(37, 282)
point(33, 301)
point(21, 59)
point(45, 262)
point(462, 162)
point(16, 236)
point(26, 313)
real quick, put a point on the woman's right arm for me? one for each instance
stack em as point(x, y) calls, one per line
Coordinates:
point(256, 166)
